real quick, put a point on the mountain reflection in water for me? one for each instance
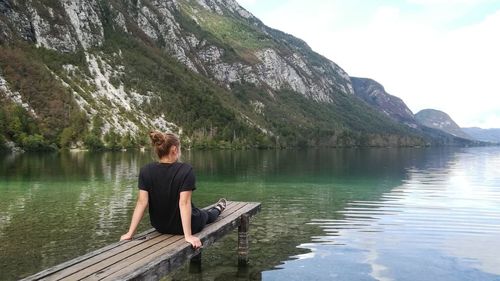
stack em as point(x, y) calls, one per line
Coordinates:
point(327, 214)
point(441, 223)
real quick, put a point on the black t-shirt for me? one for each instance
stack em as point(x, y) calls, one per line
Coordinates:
point(164, 183)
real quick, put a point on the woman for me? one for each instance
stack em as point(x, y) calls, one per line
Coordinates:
point(166, 186)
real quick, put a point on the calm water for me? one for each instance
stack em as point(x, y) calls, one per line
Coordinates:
point(366, 214)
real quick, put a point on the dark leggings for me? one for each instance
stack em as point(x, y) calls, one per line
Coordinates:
point(205, 217)
point(212, 214)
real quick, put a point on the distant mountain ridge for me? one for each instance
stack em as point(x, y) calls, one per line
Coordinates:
point(375, 95)
point(488, 135)
point(437, 126)
point(439, 120)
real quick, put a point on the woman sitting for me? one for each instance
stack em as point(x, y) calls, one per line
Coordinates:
point(167, 186)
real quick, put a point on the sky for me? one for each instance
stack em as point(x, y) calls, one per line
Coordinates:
point(439, 54)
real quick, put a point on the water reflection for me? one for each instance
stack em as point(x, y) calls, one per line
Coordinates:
point(314, 202)
point(57, 206)
point(296, 188)
point(442, 223)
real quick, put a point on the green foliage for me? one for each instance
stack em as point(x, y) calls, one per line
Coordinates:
point(2, 129)
point(34, 143)
point(345, 122)
point(16, 123)
point(112, 140)
point(73, 133)
point(56, 60)
point(92, 139)
point(197, 104)
point(66, 137)
point(127, 141)
point(213, 116)
point(231, 33)
point(2, 143)
point(93, 142)
point(58, 118)
point(142, 140)
point(26, 74)
point(97, 124)
point(210, 116)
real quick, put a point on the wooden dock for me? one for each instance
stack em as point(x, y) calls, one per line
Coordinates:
point(151, 255)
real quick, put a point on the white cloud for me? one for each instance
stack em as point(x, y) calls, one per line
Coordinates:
point(447, 2)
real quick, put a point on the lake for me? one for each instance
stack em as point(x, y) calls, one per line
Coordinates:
point(327, 214)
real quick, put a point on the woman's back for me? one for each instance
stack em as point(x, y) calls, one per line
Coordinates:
point(166, 187)
point(164, 182)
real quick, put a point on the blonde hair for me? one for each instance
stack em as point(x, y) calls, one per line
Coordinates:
point(163, 142)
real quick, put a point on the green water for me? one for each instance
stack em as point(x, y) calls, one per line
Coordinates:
point(350, 214)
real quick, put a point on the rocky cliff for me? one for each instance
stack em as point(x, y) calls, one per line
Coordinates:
point(374, 94)
point(76, 73)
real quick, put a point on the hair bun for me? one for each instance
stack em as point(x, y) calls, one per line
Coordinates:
point(157, 138)
point(163, 142)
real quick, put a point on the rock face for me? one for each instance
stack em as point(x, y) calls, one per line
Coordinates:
point(144, 63)
point(263, 63)
point(63, 25)
point(375, 95)
point(14, 23)
point(439, 120)
point(68, 25)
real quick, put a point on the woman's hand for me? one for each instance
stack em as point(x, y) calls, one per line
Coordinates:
point(126, 236)
point(194, 241)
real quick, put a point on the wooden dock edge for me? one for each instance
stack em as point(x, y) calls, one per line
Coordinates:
point(166, 263)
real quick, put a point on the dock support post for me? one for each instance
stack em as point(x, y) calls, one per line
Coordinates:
point(243, 244)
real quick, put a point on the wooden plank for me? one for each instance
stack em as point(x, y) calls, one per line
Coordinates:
point(150, 254)
point(97, 263)
point(163, 262)
point(133, 245)
point(136, 259)
point(134, 253)
point(111, 258)
point(160, 264)
point(87, 256)
point(122, 245)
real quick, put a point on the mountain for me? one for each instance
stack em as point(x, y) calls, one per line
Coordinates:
point(374, 94)
point(439, 120)
point(102, 73)
point(487, 135)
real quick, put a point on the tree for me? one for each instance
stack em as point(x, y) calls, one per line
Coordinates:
point(66, 137)
point(93, 142)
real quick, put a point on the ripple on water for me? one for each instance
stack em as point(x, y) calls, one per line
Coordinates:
point(446, 221)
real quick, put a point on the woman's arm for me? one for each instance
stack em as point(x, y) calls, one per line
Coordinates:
point(185, 207)
point(140, 207)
